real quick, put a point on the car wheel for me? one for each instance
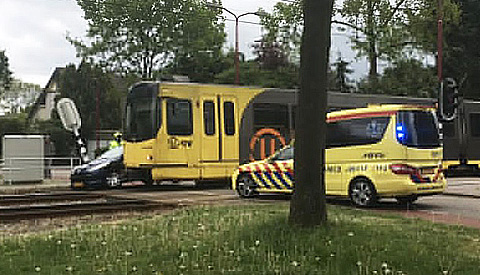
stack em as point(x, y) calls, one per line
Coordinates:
point(246, 186)
point(362, 193)
point(113, 180)
point(406, 200)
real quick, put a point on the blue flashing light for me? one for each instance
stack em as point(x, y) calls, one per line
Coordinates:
point(400, 132)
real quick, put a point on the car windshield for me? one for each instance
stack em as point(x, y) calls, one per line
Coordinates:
point(284, 154)
point(112, 153)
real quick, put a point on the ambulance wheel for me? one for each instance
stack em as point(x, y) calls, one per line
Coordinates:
point(362, 193)
point(246, 186)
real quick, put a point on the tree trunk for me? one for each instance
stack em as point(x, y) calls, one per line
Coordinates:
point(308, 205)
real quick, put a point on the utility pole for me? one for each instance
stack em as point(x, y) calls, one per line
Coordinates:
point(237, 50)
point(97, 114)
point(440, 42)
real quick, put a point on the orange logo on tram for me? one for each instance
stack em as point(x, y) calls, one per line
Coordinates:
point(260, 136)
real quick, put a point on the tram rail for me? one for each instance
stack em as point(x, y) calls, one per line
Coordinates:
point(50, 205)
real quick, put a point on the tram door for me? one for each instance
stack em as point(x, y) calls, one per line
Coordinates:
point(228, 117)
point(210, 149)
point(211, 139)
point(177, 154)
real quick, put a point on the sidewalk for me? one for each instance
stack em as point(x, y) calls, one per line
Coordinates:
point(469, 187)
point(46, 185)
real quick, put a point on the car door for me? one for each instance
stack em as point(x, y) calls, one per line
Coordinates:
point(279, 173)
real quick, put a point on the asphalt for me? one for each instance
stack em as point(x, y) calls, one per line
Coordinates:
point(462, 187)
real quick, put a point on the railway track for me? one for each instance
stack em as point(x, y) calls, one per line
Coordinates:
point(48, 205)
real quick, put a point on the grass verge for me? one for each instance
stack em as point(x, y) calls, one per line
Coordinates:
point(253, 239)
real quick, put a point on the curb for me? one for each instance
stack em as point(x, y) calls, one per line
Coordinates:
point(461, 195)
point(32, 189)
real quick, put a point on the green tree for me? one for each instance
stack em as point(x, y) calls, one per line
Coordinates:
point(383, 29)
point(82, 85)
point(13, 124)
point(388, 28)
point(5, 73)
point(285, 25)
point(251, 74)
point(407, 77)
point(62, 140)
point(143, 36)
point(462, 55)
point(269, 69)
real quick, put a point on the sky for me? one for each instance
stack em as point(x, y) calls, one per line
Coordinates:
point(33, 34)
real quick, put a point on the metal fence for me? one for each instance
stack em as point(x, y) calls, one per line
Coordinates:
point(15, 170)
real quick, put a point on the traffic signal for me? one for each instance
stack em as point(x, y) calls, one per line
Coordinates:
point(448, 99)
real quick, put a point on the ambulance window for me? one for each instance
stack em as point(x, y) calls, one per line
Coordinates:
point(209, 117)
point(179, 117)
point(229, 118)
point(352, 132)
point(475, 124)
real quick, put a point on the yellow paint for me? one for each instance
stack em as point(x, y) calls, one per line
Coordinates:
point(345, 164)
point(197, 156)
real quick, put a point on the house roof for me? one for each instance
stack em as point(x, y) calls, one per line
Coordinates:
point(49, 88)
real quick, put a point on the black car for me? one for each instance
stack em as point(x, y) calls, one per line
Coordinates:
point(105, 171)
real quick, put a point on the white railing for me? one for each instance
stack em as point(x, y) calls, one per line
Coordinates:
point(27, 169)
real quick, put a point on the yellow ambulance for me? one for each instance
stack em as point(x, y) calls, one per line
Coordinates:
point(371, 153)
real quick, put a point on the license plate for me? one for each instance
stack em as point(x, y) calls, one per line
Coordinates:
point(428, 171)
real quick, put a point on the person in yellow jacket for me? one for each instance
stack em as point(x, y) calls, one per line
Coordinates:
point(117, 141)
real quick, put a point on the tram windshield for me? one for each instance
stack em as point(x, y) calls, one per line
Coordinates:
point(143, 114)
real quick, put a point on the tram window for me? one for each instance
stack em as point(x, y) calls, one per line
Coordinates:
point(270, 114)
point(209, 117)
point(229, 118)
point(475, 124)
point(143, 119)
point(353, 132)
point(179, 117)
